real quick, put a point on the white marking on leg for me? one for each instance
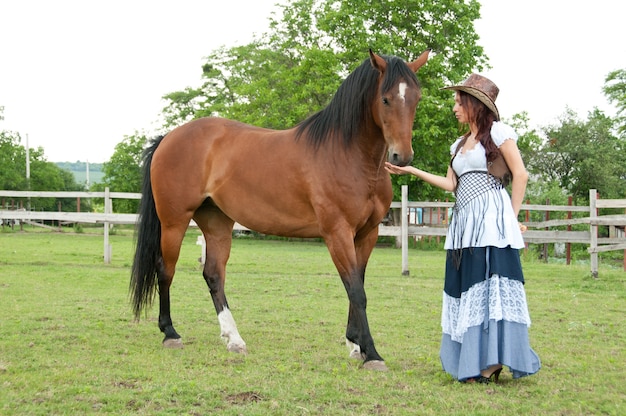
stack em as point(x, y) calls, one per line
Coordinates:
point(402, 90)
point(229, 333)
point(355, 350)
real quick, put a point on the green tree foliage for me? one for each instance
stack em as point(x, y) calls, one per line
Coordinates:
point(530, 143)
point(122, 173)
point(529, 139)
point(615, 90)
point(13, 162)
point(293, 70)
point(44, 175)
point(582, 155)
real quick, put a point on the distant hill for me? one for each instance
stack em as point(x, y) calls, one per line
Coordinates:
point(79, 170)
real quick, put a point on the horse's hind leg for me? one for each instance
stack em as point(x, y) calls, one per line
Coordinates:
point(171, 240)
point(217, 229)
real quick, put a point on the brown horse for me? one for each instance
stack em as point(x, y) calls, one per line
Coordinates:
point(323, 178)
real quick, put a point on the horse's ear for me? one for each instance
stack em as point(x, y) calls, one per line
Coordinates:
point(421, 60)
point(378, 62)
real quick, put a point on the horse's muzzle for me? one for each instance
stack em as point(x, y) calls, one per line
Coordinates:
point(399, 160)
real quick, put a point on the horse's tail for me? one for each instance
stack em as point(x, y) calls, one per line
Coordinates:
point(143, 279)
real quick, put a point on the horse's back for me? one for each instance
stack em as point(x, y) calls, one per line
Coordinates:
point(191, 147)
point(206, 132)
point(252, 174)
point(266, 180)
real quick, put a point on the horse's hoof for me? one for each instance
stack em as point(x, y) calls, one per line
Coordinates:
point(376, 365)
point(236, 348)
point(173, 343)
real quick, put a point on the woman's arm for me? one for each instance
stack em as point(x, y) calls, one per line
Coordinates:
point(447, 183)
point(514, 161)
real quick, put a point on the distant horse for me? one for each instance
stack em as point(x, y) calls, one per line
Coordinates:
point(322, 178)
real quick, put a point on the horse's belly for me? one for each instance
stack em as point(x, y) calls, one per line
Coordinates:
point(273, 222)
point(292, 214)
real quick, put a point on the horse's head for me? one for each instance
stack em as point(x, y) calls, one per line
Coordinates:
point(396, 101)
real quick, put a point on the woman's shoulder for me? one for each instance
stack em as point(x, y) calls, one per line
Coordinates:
point(501, 132)
point(455, 145)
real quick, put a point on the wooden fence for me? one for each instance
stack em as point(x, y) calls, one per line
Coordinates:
point(435, 218)
point(431, 221)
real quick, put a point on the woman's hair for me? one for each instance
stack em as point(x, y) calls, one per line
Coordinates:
point(483, 117)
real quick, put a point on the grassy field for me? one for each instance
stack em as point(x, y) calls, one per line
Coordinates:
point(69, 344)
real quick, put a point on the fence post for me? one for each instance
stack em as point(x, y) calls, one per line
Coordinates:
point(593, 229)
point(21, 205)
point(430, 221)
point(569, 228)
point(438, 222)
point(58, 221)
point(108, 209)
point(545, 245)
point(404, 235)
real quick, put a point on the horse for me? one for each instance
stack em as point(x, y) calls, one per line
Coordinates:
point(323, 178)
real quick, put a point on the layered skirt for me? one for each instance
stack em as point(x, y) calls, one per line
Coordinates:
point(485, 317)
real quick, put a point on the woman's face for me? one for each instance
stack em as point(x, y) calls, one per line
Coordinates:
point(460, 111)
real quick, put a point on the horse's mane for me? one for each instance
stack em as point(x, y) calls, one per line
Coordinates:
point(345, 114)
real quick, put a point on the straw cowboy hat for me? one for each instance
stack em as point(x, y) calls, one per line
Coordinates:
point(482, 88)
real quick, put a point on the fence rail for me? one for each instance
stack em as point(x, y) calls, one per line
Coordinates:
point(538, 233)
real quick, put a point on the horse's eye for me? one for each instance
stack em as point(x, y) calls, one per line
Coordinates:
point(385, 101)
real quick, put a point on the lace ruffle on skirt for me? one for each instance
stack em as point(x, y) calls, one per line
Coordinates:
point(497, 298)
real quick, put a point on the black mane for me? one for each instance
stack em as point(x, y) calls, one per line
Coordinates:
point(347, 111)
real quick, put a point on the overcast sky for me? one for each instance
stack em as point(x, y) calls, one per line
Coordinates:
point(77, 76)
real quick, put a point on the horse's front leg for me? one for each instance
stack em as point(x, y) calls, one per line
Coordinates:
point(351, 261)
point(363, 249)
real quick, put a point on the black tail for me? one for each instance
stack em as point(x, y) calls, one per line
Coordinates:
point(143, 279)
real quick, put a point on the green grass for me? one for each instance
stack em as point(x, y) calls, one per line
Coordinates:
point(69, 343)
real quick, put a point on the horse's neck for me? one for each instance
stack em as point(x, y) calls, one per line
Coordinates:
point(372, 146)
point(373, 151)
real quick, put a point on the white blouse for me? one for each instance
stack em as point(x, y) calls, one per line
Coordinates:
point(474, 159)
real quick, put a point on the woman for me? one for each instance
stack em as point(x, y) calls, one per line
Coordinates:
point(485, 316)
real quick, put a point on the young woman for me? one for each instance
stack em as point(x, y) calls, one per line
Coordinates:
point(485, 315)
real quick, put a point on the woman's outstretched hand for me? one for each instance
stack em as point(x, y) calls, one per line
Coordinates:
point(399, 170)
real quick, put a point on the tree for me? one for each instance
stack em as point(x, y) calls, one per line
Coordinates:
point(44, 175)
point(615, 90)
point(13, 162)
point(583, 155)
point(293, 70)
point(122, 173)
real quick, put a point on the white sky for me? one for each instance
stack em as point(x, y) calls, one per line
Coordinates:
point(77, 76)
point(551, 54)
